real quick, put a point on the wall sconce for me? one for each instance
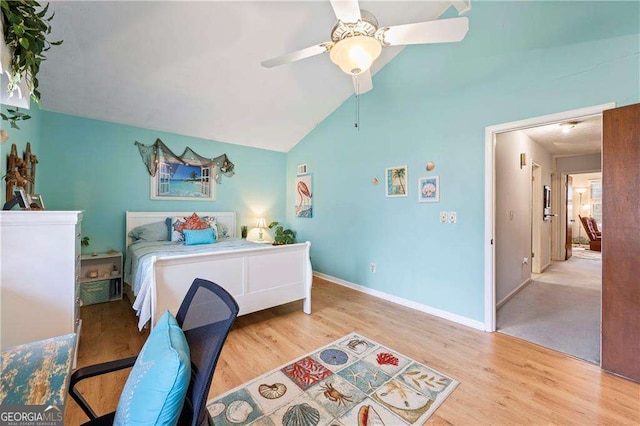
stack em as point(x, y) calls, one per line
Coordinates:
point(523, 159)
point(261, 225)
point(430, 166)
point(374, 181)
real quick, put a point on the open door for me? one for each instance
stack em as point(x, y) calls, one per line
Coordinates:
point(620, 242)
point(569, 218)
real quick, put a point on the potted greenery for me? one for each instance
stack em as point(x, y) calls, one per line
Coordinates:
point(282, 236)
point(25, 27)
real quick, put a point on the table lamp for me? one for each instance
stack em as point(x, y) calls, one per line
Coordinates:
point(262, 224)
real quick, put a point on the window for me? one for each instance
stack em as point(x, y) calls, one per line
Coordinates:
point(164, 178)
point(595, 200)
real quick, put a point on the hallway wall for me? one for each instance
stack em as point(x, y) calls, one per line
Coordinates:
point(513, 210)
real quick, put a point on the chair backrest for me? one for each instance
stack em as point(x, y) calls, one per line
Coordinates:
point(590, 225)
point(205, 316)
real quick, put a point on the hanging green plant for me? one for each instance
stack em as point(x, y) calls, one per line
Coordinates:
point(25, 30)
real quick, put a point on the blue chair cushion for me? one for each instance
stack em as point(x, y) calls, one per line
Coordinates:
point(157, 385)
point(194, 237)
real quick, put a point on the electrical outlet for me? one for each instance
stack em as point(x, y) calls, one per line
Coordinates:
point(453, 217)
point(443, 217)
point(372, 267)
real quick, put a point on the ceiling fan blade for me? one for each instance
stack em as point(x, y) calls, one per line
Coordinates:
point(362, 83)
point(347, 10)
point(438, 31)
point(297, 55)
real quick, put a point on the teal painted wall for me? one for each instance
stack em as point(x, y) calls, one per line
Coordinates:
point(29, 132)
point(432, 103)
point(94, 166)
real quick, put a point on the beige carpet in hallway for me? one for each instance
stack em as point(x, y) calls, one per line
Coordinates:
point(560, 309)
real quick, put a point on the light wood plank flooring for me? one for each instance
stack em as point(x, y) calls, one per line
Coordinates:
point(503, 380)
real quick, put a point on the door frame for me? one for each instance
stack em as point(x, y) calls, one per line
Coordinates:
point(536, 217)
point(489, 193)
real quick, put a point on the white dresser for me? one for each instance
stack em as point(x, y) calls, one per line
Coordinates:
point(39, 275)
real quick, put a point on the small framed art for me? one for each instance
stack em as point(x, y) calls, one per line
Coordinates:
point(396, 181)
point(429, 189)
point(304, 196)
point(36, 201)
point(302, 169)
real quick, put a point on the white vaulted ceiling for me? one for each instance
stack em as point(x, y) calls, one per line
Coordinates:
point(193, 68)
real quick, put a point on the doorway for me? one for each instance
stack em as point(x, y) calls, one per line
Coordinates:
point(549, 279)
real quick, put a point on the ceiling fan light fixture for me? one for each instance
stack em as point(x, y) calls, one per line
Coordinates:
point(567, 126)
point(354, 55)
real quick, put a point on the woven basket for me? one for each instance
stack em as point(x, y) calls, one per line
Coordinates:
point(95, 292)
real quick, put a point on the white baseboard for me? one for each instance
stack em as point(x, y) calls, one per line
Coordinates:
point(544, 268)
point(513, 293)
point(478, 325)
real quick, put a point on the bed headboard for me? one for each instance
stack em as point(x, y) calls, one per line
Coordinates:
point(142, 218)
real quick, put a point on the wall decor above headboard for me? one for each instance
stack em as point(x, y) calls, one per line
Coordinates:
point(154, 154)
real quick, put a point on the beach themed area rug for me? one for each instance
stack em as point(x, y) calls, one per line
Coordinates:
point(352, 381)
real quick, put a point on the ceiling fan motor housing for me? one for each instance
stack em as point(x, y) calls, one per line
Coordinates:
point(355, 46)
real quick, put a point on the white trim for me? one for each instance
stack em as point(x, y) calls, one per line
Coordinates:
point(513, 293)
point(545, 267)
point(478, 325)
point(489, 191)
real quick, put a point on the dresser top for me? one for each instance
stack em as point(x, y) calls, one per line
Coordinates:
point(39, 217)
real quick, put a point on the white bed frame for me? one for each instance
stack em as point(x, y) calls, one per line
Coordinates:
point(258, 278)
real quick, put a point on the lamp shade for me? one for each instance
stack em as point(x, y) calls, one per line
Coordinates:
point(262, 223)
point(354, 55)
point(581, 190)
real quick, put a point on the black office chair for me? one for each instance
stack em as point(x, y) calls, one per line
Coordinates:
point(205, 316)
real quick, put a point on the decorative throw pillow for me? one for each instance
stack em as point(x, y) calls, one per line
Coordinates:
point(194, 237)
point(179, 224)
point(156, 231)
point(157, 385)
point(213, 223)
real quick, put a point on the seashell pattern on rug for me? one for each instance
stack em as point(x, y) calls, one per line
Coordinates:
point(273, 391)
point(301, 415)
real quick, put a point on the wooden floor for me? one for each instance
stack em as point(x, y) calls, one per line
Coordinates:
point(503, 380)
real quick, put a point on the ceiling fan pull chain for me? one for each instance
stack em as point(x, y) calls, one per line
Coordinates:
point(357, 123)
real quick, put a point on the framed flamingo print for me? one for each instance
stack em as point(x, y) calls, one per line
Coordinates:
point(396, 181)
point(304, 196)
point(429, 189)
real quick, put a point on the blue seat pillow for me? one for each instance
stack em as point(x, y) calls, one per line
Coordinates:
point(194, 237)
point(157, 385)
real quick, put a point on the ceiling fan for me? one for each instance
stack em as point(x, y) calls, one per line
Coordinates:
point(357, 40)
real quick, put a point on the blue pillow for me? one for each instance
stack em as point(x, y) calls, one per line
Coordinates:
point(150, 232)
point(193, 237)
point(157, 385)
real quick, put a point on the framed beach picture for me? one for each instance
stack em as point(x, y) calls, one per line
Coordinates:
point(396, 181)
point(178, 181)
point(304, 196)
point(429, 189)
